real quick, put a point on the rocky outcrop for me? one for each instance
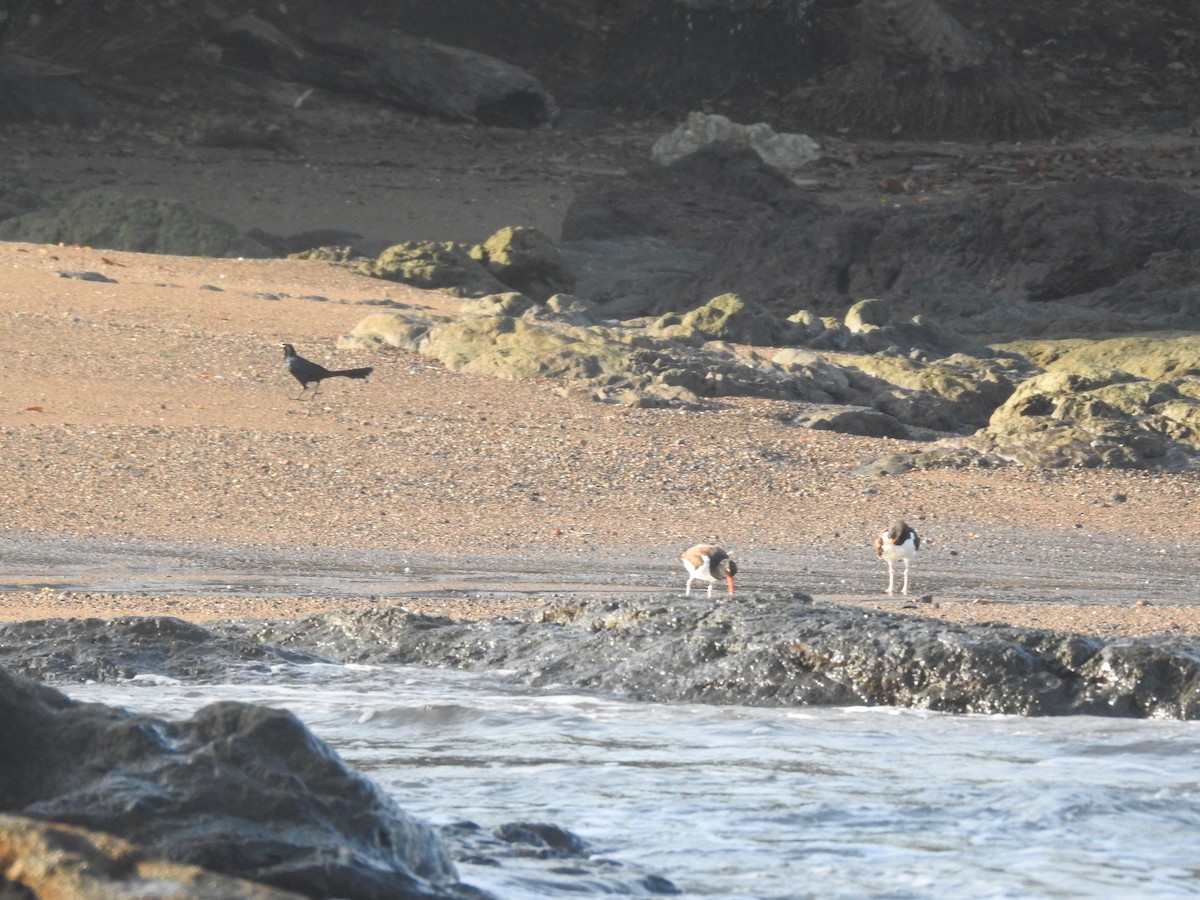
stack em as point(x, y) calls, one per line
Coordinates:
point(33, 90)
point(725, 318)
point(513, 259)
point(767, 649)
point(432, 265)
point(422, 75)
point(507, 347)
point(1112, 254)
point(917, 71)
point(778, 650)
point(953, 394)
point(526, 260)
point(682, 213)
point(239, 789)
point(111, 649)
point(1096, 417)
point(109, 219)
point(1062, 243)
point(710, 352)
point(1155, 356)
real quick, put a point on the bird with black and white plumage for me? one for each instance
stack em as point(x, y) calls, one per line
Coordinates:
point(899, 543)
point(708, 562)
point(308, 372)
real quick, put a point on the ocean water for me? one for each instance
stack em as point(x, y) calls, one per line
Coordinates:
point(742, 802)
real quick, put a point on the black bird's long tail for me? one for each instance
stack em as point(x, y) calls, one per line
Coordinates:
point(353, 373)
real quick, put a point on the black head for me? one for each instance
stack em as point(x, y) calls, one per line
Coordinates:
point(288, 350)
point(728, 566)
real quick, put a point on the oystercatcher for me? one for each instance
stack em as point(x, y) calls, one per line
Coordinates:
point(898, 543)
point(710, 563)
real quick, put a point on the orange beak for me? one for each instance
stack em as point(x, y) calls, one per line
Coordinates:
point(729, 581)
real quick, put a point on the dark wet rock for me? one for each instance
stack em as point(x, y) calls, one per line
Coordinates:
point(563, 857)
point(45, 859)
point(669, 220)
point(77, 650)
point(777, 650)
point(109, 219)
point(543, 837)
point(694, 202)
point(526, 260)
point(665, 55)
point(239, 789)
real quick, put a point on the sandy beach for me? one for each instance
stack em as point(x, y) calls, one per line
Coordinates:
point(156, 407)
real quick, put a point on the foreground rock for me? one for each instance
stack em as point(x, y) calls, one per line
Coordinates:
point(239, 789)
point(49, 860)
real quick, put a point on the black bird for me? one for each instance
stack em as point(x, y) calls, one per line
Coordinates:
point(308, 372)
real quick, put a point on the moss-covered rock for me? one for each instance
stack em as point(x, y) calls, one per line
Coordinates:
point(509, 303)
point(1094, 416)
point(108, 219)
point(526, 260)
point(726, 318)
point(866, 315)
point(1155, 356)
point(403, 331)
point(433, 265)
point(508, 347)
point(946, 395)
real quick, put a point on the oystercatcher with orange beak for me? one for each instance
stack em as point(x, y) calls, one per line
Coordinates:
point(708, 562)
point(899, 543)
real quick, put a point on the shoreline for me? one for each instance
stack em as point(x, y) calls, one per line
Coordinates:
point(1106, 620)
